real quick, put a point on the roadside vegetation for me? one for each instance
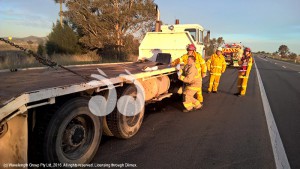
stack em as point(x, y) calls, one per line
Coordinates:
point(283, 54)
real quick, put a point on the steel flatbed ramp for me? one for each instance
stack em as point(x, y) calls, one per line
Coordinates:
point(14, 84)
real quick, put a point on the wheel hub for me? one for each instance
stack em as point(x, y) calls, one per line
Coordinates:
point(76, 135)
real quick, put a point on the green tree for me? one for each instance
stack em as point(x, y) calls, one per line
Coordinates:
point(283, 50)
point(293, 56)
point(213, 45)
point(41, 50)
point(220, 41)
point(62, 40)
point(132, 47)
point(109, 22)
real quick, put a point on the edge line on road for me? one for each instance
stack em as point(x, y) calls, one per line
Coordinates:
point(280, 156)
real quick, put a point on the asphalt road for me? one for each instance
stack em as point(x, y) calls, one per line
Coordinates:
point(229, 132)
point(282, 84)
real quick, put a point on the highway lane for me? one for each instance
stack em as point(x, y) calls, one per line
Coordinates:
point(229, 132)
point(282, 84)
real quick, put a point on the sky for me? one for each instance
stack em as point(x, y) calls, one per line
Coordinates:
point(262, 25)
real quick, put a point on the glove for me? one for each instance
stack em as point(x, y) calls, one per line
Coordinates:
point(178, 67)
point(179, 73)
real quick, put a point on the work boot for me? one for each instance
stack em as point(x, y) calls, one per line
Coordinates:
point(237, 94)
point(186, 110)
point(198, 107)
point(215, 92)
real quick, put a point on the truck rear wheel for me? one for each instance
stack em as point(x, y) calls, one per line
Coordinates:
point(73, 134)
point(122, 126)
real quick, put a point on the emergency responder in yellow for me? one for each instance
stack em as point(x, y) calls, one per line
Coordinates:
point(240, 52)
point(216, 65)
point(199, 63)
point(244, 72)
point(192, 79)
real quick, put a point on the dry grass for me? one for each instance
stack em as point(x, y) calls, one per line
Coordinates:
point(76, 59)
point(18, 59)
point(7, 47)
point(12, 58)
point(297, 60)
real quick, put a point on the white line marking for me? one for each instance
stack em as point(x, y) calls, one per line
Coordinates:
point(275, 63)
point(280, 157)
point(284, 67)
point(263, 59)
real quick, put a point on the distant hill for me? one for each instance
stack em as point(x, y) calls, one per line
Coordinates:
point(33, 39)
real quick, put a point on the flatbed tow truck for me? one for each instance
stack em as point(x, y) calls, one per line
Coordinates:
point(45, 114)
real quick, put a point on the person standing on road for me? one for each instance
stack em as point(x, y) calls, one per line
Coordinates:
point(216, 65)
point(240, 51)
point(199, 63)
point(192, 79)
point(244, 72)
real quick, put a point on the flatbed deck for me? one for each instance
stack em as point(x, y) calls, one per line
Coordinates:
point(14, 84)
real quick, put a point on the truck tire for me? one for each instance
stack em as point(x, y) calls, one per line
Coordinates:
point(73, 134)
point(106, 130)
point(121, 126)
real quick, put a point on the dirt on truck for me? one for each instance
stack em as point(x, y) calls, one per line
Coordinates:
point(59, 115)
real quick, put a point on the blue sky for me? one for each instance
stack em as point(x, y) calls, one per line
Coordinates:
point(263, 25)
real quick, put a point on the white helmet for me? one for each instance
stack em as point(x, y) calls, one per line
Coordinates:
point(219, 49)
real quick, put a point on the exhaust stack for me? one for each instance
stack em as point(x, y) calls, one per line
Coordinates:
point(157, 22)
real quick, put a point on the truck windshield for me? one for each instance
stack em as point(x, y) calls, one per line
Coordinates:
point(193, 32)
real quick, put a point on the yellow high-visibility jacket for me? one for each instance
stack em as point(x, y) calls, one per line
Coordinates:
point(199, 63)
point(216, 64)
point(190, 76)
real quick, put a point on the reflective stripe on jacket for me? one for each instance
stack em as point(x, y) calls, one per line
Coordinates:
point(216, 64)
point(200, 62)
point(190, 76)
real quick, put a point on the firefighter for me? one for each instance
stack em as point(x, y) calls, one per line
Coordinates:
point(200, 65)
point(216, 65)
point(240, 52)
point(244, 72)
point(192, 79)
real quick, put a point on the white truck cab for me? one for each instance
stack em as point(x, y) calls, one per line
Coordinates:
point(172, 39)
